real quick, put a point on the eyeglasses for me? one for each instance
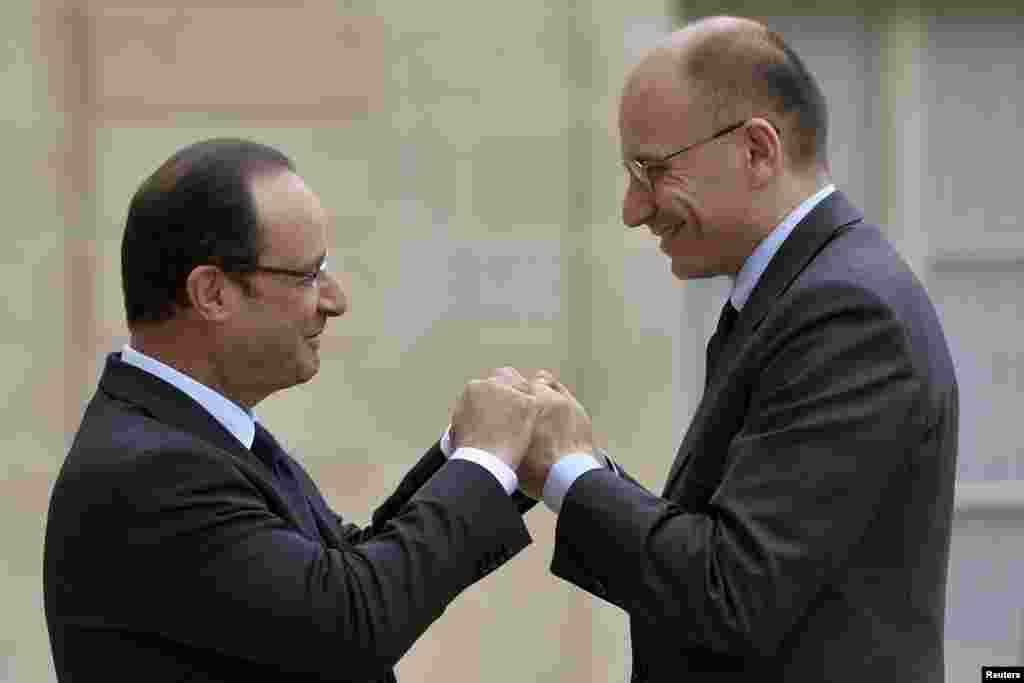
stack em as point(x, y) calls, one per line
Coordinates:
point(311, 278)
point(644, 172)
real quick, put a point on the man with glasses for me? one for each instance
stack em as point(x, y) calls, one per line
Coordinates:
point(803, 531)
point(183, 542)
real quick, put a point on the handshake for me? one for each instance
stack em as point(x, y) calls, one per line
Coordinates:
point(528, 424)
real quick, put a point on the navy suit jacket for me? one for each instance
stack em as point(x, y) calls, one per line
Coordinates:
point(171, 555)
point(803, 533)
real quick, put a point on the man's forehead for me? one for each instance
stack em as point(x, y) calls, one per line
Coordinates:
point(285, 194)
point(655, 110)
point(278, 185)
point(291, 214)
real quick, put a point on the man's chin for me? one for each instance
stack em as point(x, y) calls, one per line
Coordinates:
point(308, 369)
point(311, 371)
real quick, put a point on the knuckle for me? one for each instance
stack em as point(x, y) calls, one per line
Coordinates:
point(504, 372)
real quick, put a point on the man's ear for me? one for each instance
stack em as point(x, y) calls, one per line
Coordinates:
point(764, 151)
point(212, 295)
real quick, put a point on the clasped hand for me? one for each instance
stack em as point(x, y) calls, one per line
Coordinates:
point(529, 425)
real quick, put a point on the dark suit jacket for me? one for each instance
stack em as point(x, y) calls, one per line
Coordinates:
point(803, 533)
point(170, 554)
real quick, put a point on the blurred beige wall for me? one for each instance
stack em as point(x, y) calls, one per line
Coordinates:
point(467, 153)
point(469, 156)
point(33, 320)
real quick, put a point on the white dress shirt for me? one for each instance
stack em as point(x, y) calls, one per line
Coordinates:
point(236, 419)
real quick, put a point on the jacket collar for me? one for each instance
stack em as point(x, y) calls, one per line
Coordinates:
point(166, 403)
point(807, 239)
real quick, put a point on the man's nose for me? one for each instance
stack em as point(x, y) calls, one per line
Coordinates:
point(333, 300)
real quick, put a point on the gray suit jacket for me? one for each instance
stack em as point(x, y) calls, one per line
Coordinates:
point(803, 532)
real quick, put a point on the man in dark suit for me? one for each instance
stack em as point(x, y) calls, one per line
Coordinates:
point(803, 531)
point(183, 543)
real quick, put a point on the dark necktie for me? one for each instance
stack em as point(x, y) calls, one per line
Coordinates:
point(266, 448)
point(726, 323)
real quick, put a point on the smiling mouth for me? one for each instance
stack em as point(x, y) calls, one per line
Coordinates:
point(668, 230)
point(314, 340)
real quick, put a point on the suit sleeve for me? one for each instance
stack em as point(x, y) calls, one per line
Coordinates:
point(833, 409)
point(414, 479)
point(205, 559)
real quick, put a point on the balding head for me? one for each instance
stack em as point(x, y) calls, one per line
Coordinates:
point(731, 69)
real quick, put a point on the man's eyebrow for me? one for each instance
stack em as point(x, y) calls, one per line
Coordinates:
point(644, 157)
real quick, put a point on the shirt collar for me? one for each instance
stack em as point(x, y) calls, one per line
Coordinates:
point(757, 263)
point(240, 422)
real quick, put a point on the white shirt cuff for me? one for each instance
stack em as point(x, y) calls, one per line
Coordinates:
point(505, 475)
point(564, 474)
point(446, 442)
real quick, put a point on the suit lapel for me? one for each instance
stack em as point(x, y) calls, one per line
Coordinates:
point(168, 404)
point(173, 407)
point(809, 237)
